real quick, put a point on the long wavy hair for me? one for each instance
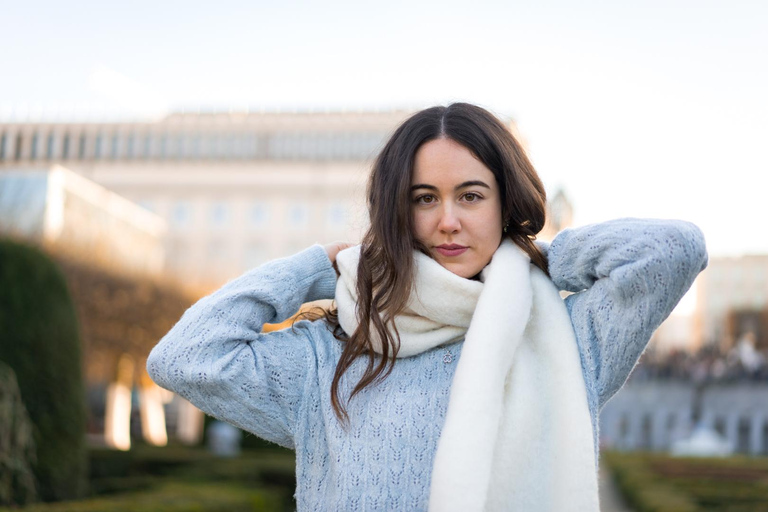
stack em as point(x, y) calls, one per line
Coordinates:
point(385, 271)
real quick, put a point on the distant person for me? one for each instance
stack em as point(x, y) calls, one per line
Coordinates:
point(449, 375)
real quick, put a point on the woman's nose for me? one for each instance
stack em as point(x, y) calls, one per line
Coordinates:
point(449, 221)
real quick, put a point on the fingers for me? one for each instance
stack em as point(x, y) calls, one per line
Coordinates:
point(334, 248)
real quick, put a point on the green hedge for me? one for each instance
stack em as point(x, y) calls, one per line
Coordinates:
point(653, 482)
point(17, 446)
point(40, 342)
point(178, 462)
point(174, 497)
point(179, 478)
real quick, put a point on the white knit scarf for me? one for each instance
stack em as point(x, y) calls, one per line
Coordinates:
point(517, 433)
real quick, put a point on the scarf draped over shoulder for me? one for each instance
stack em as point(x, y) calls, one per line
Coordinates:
point(517, 432)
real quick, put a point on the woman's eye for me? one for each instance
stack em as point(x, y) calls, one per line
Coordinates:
point(425, 199)
point(471, 197)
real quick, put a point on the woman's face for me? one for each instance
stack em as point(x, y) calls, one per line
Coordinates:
point(456, 207)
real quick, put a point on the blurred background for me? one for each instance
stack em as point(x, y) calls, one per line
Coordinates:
point(151, 151)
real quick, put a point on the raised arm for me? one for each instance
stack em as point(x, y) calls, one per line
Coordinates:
point(628, 275)
point(217, 357)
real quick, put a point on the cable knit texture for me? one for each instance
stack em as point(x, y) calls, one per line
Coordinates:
point(627, 275)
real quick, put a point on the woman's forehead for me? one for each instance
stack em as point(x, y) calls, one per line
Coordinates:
point(447, 163)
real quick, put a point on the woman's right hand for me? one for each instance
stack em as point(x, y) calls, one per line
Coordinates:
point(333, 249)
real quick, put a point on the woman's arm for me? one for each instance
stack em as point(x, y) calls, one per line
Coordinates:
point(217, 357)
point(628, 275)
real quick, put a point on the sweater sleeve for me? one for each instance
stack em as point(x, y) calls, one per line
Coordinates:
point(627, 276)
point(217, 357)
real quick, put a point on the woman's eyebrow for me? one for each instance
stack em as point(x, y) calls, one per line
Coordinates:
point(476, 183)
point(472, 183)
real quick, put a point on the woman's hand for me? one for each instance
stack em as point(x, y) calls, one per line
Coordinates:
point(333, 249)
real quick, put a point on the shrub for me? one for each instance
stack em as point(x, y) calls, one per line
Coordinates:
point(17, 448)
point(174, 497)
point(40, 343)
point(653, 482)
point(644, 490)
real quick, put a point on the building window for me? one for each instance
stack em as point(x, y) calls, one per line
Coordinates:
point(99, 147)
point(259, 146)
point(148, 146)
point(33, 150)
point(163, 146)
point(180, 146)
point(211, 147)
point(170, 146)
point(17, 149)
point(206, 146)
point(237, 146)
point(130, 146)
point(303, 146)
point(228, 151)
point(298, 216)
point(343, 146)
point(3, 140)
point(115, 146)
point(185, 145)
point(181, 149)
point(336, 216)
point(65, 146)
point(194, 146)
point(258, 215)
point(274, 145)
point(81, 148)
point(182, 214)
point(322, 148)
point(219, 214)
point(173, 146)
point(50, 147)
point(250, 146)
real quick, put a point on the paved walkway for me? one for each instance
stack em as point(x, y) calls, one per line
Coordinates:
point(610, 499)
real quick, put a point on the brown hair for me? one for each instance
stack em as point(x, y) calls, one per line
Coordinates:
point(385, 270)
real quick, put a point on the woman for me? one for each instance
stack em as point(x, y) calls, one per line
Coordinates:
point(451, 376)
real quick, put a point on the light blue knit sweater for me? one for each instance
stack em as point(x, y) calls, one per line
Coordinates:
point(627, 275)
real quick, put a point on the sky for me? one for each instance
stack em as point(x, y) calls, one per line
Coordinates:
point(635, 109)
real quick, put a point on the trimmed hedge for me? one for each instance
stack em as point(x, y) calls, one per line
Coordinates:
point(174, 497)
point(40, 342)
point(177, 462)
point(178, 479)
point(17, 447)
point(653, 482)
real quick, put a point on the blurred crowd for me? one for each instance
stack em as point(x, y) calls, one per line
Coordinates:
point(741, 363)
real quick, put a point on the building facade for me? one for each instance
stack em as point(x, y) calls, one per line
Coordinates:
point(236, 189)
point(732, 301)
point(72, 216)
point(654, 415)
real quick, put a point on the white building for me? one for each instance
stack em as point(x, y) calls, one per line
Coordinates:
point(236, 189)
point(727, 285)
point(62, 211)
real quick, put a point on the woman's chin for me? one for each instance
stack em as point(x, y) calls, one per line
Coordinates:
point(461, 270)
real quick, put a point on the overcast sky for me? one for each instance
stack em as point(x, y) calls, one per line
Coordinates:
point(643, 109)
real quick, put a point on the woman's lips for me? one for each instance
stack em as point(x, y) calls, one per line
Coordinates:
point(451, 250)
